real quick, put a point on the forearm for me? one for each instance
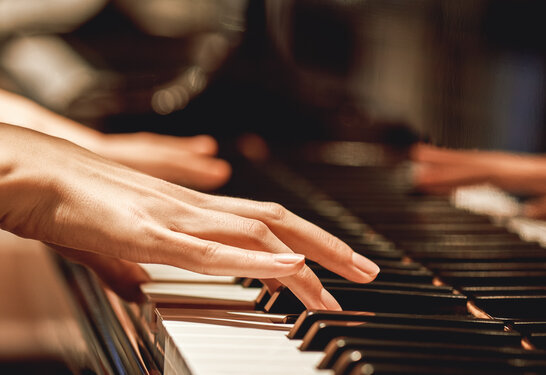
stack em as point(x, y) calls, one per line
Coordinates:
point(20, 111)
point(62, 15)
point(13, 174)
point(441, 170)
point(56, 192)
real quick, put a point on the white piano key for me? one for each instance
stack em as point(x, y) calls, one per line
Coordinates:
point(184, 314)
point(486, 199)
point(202, 291)
point(529, 229)
point(501, 206)
point(222, 349)
point(161, 272)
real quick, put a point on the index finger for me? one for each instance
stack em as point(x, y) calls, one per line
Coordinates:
point(303, 237)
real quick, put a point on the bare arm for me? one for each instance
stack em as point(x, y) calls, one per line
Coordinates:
point(56, 192)
point(189, 161)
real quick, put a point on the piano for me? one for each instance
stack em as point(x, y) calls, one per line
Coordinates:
point(458, 293)
point(462, 288)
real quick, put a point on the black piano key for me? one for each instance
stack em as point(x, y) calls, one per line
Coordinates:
point(473, 255)
point(322, 332)
point(487, 266)
point(248, 282)
point(387, 265)
point(514, 244)
point(396, 369)
point(363, 246)
point(521, 290)
point(402, 265)
point(419, 276)
point(402, 275)
point(527, 327)
point(262, 299)
point(463, 239)
point(375, 255)
point(413, 230)
point(381, 286)
point(290, 318)
point(338, 346)
point(399, 301)
point(308, 318)
point(368, 211)
point(484, 241)
point(513, 307)
point(428, 230)
point(454, 217)
point(441, 363)
point(492, 278)
point(538, 340)
point(283, 301)
point(388, 285)
point(394, 301)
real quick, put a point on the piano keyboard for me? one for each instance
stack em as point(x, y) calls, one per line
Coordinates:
point(457, 294)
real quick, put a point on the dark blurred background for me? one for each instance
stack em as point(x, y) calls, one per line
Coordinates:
point(467, 73)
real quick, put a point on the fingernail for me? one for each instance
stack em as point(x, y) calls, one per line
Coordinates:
point(329, 301)
point(287, 258)
point(365, 265)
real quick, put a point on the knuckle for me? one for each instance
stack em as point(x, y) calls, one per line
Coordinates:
point(331, 241)
point(204, 261)
point(209, 252)
point(256, 229)
point(274, 211)
point(249, 258)
point(334, 248)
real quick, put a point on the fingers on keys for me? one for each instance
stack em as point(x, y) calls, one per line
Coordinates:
point(215, 258)
point(283, 231)
point(303, 237)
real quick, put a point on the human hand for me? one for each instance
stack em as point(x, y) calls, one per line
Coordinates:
point(189, 161)
point(440, 170)
point(59, 193)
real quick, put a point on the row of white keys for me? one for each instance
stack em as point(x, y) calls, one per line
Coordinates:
point(222, 348)
point(216, 341)
point(173, 285)
point(164, 273)
point(502, 207)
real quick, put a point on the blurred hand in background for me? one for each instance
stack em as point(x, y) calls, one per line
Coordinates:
point(189, 161)
point(441, 170)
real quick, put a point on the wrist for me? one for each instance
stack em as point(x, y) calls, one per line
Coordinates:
point(10, 166)
point(26, 180)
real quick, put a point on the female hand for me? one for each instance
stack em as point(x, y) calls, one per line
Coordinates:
point(441, 170)
point(189, 161)
point(56, 192)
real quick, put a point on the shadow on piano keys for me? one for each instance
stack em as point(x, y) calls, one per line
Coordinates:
point(457, 293)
